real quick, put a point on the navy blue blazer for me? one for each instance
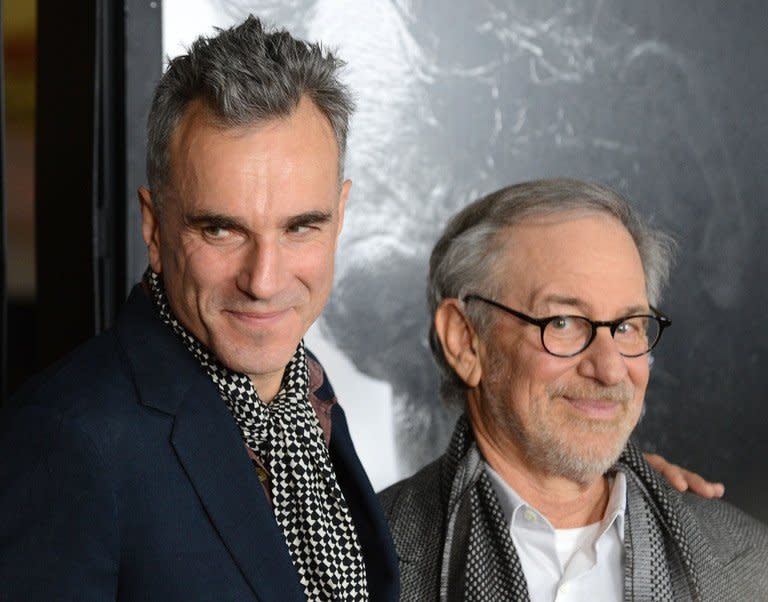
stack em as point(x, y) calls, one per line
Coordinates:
point(123, 476)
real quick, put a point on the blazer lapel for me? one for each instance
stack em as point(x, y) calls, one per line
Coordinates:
point(702, 562)
point(693, 563)
point(367, 514)
point(210, 449)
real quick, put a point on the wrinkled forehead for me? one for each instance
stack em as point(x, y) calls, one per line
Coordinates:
point(199, 120)
point(200, 114)
point(579, 252)
point(202, 137)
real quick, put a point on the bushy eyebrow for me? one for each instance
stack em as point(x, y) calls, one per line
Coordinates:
point(310, 218)
point(218, 220)
point(215, 220)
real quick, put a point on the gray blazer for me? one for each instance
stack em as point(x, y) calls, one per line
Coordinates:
point(728, 549)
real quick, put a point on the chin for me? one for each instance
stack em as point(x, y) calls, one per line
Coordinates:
point(580, 457)
point(597, 460)
point(253, 358)
point(261, 362)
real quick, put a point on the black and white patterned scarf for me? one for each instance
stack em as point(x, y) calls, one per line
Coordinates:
point(308, 503)
point(481, 564)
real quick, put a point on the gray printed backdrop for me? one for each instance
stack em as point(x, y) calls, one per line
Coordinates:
point(665, 101)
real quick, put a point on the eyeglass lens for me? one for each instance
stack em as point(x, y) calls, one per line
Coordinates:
point(567, 335)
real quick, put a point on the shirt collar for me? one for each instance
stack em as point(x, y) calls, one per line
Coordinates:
point(512, 504)
point(617, 503)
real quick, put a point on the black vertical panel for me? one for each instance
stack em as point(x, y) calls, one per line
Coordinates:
point(3, 241)
point(95, 82)
point(143, 67)
point(80, 155)
point(65, 176)
point(109, 161)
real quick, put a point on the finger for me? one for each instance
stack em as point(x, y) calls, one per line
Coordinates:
point(671, 472)
point(676, 477)
point(702, 486)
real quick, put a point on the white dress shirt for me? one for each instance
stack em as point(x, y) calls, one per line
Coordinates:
point(567, 565)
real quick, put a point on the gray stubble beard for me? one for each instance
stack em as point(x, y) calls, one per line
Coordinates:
point(551, 445)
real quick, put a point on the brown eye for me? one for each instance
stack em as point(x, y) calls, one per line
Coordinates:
point(215, 232)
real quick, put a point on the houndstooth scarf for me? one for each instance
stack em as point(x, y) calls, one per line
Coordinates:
point(480, 562)
point(308, 503)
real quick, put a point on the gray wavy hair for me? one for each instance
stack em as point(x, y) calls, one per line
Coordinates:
point(244, 75)
point(464, 258)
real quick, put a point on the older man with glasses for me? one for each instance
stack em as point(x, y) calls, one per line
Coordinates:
point(543, 297)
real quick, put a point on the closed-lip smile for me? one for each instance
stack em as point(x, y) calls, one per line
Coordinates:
point(596, 408)
point(257, 317)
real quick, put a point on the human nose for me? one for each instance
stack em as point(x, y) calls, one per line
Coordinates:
point(602, 361)
point(261, 270)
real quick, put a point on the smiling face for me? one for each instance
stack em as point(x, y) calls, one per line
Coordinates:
point(247, 235)
point(568, 417)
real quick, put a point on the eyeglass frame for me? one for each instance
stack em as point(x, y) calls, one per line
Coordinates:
point(542, 323)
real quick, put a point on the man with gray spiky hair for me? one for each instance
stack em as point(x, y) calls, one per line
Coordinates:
point(544, 301)
point(196, 450)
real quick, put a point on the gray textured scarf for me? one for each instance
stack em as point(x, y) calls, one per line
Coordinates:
point(480, 562)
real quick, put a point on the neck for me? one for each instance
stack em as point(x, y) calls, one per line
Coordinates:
point(565, 503)
point(267, 386)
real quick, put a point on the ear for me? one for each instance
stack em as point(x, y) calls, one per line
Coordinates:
point(345, 187)
point(150, 229)
point(460, 342)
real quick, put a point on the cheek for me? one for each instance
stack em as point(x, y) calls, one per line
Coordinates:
point(525, 376)
point(639, 374)
point(314, 267)
point(550, 371)
point(519, 356)
point(201, 270)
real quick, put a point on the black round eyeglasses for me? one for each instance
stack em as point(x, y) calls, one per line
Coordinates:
point(566, 336)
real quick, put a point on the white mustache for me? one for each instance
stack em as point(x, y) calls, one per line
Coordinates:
point(621, 393)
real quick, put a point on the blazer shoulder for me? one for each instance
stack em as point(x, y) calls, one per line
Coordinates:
point(731, 532)
point(415, 508)
point(416, 511)
point(410, 491)
point(81, 381)
point(738, 541)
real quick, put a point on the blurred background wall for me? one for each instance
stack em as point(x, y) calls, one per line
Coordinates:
point(664, 101)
